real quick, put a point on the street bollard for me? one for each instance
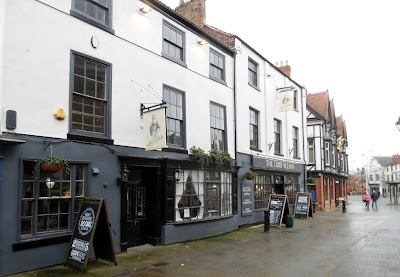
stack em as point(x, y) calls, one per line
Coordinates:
point(267, 225)
point(344, 206)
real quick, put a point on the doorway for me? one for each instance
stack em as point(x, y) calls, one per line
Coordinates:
point(137, 216)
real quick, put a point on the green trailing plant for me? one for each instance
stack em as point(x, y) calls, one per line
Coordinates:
point(250, 175)
point(199, 155)
point(53, 160)
point(219, 158)
point(311, 180)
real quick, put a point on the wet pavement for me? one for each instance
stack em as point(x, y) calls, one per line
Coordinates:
point(360, 242)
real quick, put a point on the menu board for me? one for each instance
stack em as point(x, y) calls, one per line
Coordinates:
point(247, 196)
point(303, 205)
point(92, 227)
point(279, 208)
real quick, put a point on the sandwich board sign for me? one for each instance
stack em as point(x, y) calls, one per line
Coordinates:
point(303, 207)
point(278, 207)
point(92, 227)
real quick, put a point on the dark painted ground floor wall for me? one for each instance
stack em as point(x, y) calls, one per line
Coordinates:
point(273, 176)
point(36, 222)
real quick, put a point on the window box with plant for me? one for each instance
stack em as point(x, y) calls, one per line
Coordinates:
point(214, 157)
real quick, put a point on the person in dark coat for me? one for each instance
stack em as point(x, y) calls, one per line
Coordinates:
point(374, 198)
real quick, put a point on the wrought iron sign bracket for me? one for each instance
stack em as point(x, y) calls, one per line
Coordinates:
point(285, 89)
point(143, 108)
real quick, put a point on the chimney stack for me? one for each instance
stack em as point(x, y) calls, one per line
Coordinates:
point(286, 69)
point(194, 10)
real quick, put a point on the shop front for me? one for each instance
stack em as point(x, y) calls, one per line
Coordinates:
point(272, 177)
point(169, 200)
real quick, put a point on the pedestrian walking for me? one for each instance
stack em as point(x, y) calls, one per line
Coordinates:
point(366, 200)
point(379, 193)
point(374, 198)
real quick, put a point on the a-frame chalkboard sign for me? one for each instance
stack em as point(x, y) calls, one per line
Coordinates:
point(278, 207)
point(92, 227)
point(303, 207)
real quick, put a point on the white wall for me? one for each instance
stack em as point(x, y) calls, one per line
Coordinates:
point(37, 56)
point(265, 101)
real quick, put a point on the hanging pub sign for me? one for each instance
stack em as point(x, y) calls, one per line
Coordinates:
point(154, 129)
point(303, 207)
point(278, 207)
point(92, 227)
point(286, 101)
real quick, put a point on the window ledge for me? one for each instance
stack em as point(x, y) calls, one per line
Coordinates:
point(40, 242)
point(217, 80)
point(176, 150)
point(277, 154)
point(174, 59)
point(200, 220)
point(254, 87)
point(91, 21)
point(90, 139)
point(297, 158)
point(256, 149)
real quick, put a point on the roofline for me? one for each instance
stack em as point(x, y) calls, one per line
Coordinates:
point(261, 56)
point(320, 116)
point(172, 14)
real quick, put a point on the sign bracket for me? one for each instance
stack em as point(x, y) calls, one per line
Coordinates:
point(143, 108)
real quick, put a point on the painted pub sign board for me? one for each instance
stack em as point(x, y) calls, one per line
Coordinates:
point(303, 207)
point(91, 228)
point(278, 207)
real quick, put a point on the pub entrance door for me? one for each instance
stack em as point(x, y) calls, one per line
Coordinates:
point(138, 205)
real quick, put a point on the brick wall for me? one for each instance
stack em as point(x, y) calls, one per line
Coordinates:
point(194, 10)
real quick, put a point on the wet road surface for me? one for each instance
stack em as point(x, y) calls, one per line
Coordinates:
point(360, 242)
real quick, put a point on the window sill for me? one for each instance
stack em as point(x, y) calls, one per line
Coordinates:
point(297, 158)
point(277, 154)
point(254, 87)
point(255, 149)
point(41, 242)
point(92, 22)
point(90, 139)
point(217, 80)
point(175, 150)
point(199, 220)
point(182, 63)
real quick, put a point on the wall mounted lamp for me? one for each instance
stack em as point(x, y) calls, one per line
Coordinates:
point(145, 9)
point(178, 173)
point(202, 41)
point(124, 175)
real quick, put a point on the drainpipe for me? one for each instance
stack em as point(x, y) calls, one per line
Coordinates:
point(304, 142)
point(234, 104)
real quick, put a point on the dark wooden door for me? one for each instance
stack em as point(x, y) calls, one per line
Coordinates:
point(136, 213)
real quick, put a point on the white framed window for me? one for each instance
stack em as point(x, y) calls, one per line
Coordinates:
point(311, 151)
point(295, 134)
point(327, 153)
point(203, 194)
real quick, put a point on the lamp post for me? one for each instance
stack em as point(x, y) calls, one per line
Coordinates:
point(361, 173)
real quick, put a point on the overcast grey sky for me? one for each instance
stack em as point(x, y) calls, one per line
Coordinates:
point(350, 47)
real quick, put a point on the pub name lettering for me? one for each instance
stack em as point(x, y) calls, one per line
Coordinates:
point(277, 164)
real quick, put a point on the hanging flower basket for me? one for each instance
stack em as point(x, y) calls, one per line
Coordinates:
point(52, 164)
point(250, 175)
point(49, 167)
